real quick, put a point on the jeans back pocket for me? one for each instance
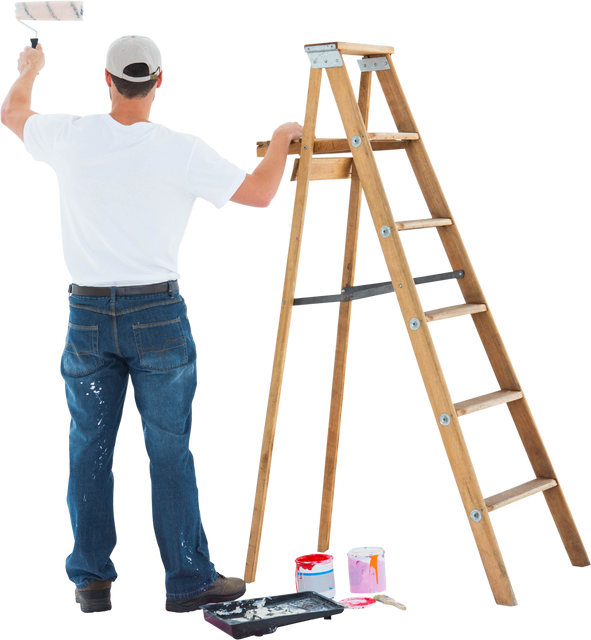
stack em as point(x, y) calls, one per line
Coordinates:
point(81, 354)
point(161, 345)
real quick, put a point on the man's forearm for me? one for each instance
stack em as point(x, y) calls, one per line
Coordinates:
point(272, 168)
point(19, 95)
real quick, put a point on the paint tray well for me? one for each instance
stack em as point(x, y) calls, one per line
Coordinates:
point(259, 616)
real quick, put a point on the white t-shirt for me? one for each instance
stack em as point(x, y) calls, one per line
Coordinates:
point(126, 193)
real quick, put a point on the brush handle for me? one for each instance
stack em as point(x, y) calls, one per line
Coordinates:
point(390, 602)
point(34, 42)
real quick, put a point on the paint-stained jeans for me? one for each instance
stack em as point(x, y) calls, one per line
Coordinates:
point(147, 337)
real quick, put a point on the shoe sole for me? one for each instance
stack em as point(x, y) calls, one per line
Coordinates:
point(94, 603)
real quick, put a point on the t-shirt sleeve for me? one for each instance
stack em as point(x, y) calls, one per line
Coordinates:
point(39, 136)
point(211, 177)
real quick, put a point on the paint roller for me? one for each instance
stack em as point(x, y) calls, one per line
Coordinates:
point(48, 11)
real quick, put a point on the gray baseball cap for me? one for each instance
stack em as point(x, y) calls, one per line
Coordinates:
point(131, 50)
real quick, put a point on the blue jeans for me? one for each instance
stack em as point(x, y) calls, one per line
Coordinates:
point(147, 337)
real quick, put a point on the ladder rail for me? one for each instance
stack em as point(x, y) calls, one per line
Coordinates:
point(421, 339)
point(284, 325)
point(345, 309)
point(484, 322)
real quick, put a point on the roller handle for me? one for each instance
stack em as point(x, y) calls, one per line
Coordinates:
point(34, 42)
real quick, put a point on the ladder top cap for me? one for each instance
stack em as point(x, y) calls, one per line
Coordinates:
point(356, 47)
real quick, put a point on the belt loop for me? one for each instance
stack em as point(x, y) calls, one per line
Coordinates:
point(170, 289)
point(113, 294)
point(69, 290)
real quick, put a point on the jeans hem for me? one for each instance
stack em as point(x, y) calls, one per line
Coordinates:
point(191, 594)
point(86, 582)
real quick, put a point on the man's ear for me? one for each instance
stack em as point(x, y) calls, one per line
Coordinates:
point(159, 81)
point(108, 78)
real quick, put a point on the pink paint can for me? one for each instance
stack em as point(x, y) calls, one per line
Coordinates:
point(366, 569)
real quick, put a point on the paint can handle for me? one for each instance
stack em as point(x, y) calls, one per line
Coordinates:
point(34, 42)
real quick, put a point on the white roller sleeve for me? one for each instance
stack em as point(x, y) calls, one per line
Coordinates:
point(49, 10)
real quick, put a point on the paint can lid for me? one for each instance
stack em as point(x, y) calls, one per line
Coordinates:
point(357, 603)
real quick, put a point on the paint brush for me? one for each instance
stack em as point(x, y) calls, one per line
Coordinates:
point(387, 600)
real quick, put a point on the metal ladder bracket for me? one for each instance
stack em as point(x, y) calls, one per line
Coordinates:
point(374, 64)
point(327, 56)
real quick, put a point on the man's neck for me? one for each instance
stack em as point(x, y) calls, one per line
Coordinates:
point(130, 111)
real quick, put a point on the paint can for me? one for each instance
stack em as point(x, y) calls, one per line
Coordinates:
point(315, 572)
point(367, 570)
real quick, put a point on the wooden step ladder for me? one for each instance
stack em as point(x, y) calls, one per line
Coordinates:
point(362, 170)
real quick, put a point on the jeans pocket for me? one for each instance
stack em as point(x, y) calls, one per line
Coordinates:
point(81, 354)
point(161, 345)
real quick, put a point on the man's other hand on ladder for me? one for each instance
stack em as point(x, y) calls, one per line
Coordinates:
point(294, 128)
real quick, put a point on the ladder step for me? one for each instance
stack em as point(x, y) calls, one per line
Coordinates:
point(389, 135)
point(381, 140)
point(350, 47)
point(373, 289)
point(326, 169)
point(486, 401)
point(454, 312)
point(517, 493)
point(403, 224)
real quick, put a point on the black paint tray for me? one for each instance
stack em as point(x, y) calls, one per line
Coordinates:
point(240, 620)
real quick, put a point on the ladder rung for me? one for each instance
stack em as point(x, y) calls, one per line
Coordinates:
point(486, 401)
point(421, 223)
point(389, 135)
point(454, 312)
point(517, 493)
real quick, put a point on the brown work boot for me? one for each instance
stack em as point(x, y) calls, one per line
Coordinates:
point(226, 588)
point(95, 597)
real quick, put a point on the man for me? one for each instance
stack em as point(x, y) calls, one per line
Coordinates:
point(127, 187)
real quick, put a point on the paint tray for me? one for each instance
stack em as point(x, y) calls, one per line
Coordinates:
point(260, 616)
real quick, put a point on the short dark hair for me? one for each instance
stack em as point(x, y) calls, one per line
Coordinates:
point(130, 89)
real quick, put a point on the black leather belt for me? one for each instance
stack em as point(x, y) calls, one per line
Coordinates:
point(141, 289)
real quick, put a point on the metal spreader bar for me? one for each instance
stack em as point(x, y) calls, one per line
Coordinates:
point(370, 290)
